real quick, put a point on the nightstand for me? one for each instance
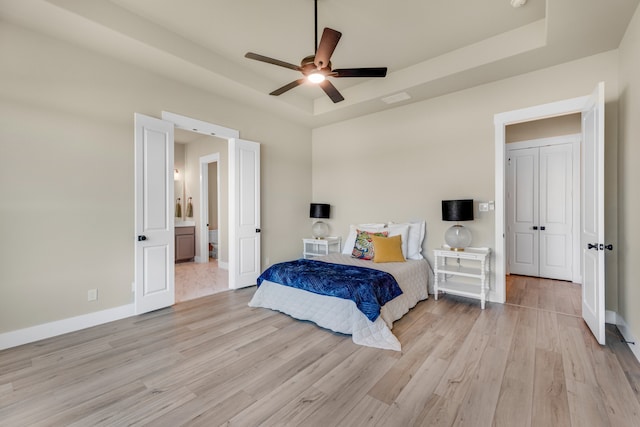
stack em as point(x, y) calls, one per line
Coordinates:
point(472, 263)
point(319, 247)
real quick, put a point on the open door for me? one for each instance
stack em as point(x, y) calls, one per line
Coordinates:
point(244, 213)
point(592, 232)
point(154, 240)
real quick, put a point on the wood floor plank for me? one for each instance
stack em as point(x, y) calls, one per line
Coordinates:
point(513, 408)
point(550, 406)
point(216, 361)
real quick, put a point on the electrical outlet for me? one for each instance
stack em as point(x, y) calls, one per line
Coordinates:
point(92, 295)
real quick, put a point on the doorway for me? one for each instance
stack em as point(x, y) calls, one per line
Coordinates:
point(592, 229)
point(154, 283)
point(203, 162)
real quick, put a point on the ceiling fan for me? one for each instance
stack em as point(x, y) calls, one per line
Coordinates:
point(317, 67)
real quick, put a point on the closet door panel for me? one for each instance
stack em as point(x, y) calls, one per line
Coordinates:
point(522, 211)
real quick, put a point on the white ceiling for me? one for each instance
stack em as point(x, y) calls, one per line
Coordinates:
point(430, 47)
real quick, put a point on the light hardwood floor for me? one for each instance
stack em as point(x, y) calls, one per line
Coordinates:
point(215, 361)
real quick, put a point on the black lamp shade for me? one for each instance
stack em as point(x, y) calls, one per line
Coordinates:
point(457, 210)
point(319, 210)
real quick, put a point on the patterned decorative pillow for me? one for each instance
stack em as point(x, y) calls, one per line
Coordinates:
point(363, 247)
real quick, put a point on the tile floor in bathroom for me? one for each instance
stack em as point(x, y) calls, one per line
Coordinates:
point(195, 280)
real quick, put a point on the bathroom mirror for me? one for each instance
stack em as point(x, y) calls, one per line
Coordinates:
point(178, 181)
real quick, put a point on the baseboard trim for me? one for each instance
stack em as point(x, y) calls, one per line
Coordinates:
point(627, 333)
point(64, 326)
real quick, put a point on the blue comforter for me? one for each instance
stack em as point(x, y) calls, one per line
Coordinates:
point(370, 289)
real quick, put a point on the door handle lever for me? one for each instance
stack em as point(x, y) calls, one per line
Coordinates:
point(141, 238)
point(608, 247)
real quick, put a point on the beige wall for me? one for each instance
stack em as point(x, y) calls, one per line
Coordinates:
point(213, 196)
point(66, 174)
point(178, 183)
point(628, 248)
point(546, 128)
point(399, 164)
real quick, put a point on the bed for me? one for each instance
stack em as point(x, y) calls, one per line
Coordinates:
point(342, 315)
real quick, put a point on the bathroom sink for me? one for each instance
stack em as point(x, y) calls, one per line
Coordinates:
point(180, 223)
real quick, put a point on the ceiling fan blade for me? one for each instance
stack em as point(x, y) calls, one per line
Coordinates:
point(327, 45)
point(287, 87)
point(331, 91)
point(360, 72)
point(268, 60)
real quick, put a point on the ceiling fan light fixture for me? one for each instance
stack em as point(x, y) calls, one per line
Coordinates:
point(316, 78)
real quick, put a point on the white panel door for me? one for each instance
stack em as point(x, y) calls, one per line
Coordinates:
point(556, 212)
point(154, 250)
point(540, 211)
point(244, 215)
point(592, 235)
point(522, 211)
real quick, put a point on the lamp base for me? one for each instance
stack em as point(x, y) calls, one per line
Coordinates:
point(457, 237)
point(320, 230)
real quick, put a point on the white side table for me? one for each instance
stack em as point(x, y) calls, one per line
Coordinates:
point(319, 247)
point(472, 263)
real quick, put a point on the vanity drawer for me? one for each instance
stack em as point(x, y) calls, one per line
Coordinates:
point(185, 230)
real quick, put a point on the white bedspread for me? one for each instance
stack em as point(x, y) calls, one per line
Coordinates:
point(342, 315)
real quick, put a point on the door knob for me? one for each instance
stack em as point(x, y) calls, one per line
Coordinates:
point(543, 228)
point(141, 238)
point(535, 227)
point(609, 247)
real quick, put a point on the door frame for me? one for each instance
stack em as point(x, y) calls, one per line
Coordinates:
point(501, 121)
point(209, 129)
point(575, 141)
point(204, 208)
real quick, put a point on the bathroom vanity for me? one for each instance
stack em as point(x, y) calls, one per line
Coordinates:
point(185, 243)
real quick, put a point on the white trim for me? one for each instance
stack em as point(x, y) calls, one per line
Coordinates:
point(204, 207)
point(198, 126)
point(64, 326)
point(543, 142)
point(625, 330)
point(501, 120)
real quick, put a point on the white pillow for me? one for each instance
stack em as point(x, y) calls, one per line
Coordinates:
point(403, 231)
point(417, 232)
point(350, 241)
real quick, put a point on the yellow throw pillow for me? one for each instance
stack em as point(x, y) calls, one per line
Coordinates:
point(387, 249)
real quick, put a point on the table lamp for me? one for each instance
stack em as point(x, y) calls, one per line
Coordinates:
point(457, 237)
point(320, 229)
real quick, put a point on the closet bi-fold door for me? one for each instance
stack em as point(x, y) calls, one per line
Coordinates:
point(540, 211)
point(556, 212)
point(522, 212)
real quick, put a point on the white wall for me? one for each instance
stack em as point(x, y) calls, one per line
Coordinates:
point(66, 174)
point(399, 164)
